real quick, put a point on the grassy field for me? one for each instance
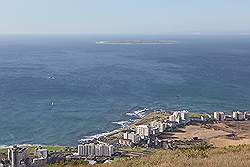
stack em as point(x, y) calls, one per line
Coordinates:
point(197, 115)
point(51, 149)
point(234, 156)
point(154, 116)
point(137, 149)
point(3, 151)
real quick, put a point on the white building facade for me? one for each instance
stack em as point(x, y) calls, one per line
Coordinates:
point(135, 138)
point(17, 156)
point(143, 131)
point(219, 116)
point(96, 149)
point(240, 116)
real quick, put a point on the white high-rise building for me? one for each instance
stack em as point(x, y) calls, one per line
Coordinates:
point(240, 116)
point(17, 156)
point(135, 138)
point(162, 126)
point(179, 116)
point(184, 115)
point(80, 149)
point(99, 150)
point(154, 130)
point(125, 135)
point(143, 131)
point(111, 150)
point(219, 116)
point(175, 117)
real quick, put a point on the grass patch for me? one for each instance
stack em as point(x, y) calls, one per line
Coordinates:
point(197, 115)
point(158, 116)
point(136, 149)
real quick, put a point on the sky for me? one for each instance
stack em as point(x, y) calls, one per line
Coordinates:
point(125, 16)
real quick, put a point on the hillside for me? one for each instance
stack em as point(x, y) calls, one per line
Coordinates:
point(233, 156)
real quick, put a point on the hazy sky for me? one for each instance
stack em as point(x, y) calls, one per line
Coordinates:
point(125, 16)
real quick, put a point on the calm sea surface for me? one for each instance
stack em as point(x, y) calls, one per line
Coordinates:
point(58, 89)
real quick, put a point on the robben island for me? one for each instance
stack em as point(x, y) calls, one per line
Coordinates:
point(155, 131)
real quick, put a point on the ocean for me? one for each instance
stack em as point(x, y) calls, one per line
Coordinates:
point(57, 89)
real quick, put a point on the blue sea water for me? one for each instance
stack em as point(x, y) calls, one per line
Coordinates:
point(59, 89)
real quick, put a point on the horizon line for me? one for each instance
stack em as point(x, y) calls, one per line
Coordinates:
point(127, 34)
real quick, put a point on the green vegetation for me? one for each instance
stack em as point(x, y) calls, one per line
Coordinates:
point(70, 163)
point(154, 116)
point(112, 137)
point(56, 148)
point(3, 151)
point(197, 115)
point(201, 150)
point(137, 149)
point(51, 149)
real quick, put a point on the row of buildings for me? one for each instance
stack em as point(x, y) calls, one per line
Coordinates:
point(19, 157)
point(236, 115)
point(95, 150)
point(140, 135)
point(179, 116)
point(146, 133)
point(22, 157)
point(150, 132)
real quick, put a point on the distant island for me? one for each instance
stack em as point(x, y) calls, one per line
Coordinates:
point(138, 42)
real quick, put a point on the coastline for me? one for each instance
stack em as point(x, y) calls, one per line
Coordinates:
point(136, 117)
point(138, 114)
